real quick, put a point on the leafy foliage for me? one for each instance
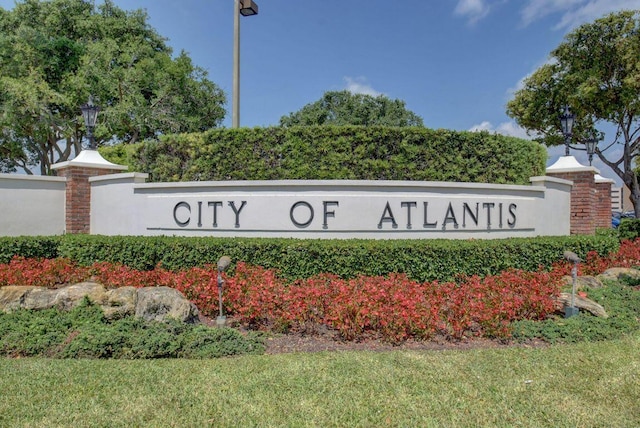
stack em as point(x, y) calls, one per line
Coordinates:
point(596, 71)
point(54, 54)
point(629, 228)
point(83, 332)
point(346, 108)
point(420, 260)
point(340, 152)
point(622, 303)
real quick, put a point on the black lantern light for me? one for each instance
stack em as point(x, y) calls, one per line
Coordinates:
point(567, 119)
point(90, 115)
point(591, 143)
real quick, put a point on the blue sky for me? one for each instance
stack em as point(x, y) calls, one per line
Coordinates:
point(455, 63)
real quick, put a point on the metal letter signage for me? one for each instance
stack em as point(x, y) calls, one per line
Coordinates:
point(339, 209)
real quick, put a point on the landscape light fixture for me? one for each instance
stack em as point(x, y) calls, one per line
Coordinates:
point(90, 116)
point(223, 264)
point(572, 257)
point(244, 8)
point(566, 120)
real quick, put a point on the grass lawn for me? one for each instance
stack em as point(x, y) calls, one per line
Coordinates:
point(582, 385)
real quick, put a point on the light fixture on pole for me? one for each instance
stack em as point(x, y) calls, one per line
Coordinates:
point(223, 264)
point(244, 8)
point(591, 143)
point(90, 116)
point(566, 120)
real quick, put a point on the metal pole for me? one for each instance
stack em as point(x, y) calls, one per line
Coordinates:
point(235, 115)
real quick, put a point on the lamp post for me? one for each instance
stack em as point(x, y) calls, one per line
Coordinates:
point(90, 115)
point(566, 120)
point(244, 8)
point(223, 264)
point(591, 143)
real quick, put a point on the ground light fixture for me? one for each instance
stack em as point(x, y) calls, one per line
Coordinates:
point(572, 310)
point(90, 116)
point(244, 8)
point(566, 120)
point(223, 264)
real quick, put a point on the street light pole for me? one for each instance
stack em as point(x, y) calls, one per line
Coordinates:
point(244, 8)
point(90, 116)
point(235, 116)
point(566, 120)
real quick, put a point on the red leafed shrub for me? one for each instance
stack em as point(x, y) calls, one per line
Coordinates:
point(41, 272)
point(255, 296)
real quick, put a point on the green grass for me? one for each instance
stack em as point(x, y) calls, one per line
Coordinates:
point(585, 384)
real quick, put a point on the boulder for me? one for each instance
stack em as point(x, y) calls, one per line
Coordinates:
point(617, 274)
point(12, 296)
point(120, 302)
point(584, 303)
point(151, 303)
point(583, 282)
point(159, 303)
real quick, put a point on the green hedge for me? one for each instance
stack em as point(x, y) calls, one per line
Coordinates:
point(422, 260)
point(629, 228)
point(28, 246)
point(335, 152)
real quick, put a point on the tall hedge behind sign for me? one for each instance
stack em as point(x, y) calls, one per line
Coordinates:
point(338, 153)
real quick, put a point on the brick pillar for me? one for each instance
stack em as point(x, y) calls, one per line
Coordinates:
point(87, 164)
point(603, 201)
point(584, 205)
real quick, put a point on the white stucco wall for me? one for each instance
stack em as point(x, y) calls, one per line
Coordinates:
point(122, 204)
point(32, 205)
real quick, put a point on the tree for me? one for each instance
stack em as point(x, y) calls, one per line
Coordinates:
point(346, 108)
point(595, 71)
point(55, 54)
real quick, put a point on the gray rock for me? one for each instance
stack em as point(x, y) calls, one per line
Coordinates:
point(617, 274)
point(69, 297)
point(583, 282)
point(151, 303)
point(564, 300)
point(12, 296)
point(160, 303)
point(120, 302)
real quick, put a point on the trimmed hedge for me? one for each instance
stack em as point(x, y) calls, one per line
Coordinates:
point(629, 228)
point(421, 260)
point(336, 153)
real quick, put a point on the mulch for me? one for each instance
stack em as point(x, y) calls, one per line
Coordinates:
point(323, 340)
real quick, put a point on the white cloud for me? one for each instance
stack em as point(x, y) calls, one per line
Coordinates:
point(474, 10)
point(574, 12)
point(359, 85)
point(506, 128)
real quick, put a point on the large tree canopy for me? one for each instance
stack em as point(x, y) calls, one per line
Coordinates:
point(596, 72)
point(55, 54)
point(346, 108)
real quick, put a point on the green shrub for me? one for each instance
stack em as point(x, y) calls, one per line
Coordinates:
point(338, 153)
point(629, 228)
point(421, 260)
point(84, 333)
point(621, 302)
point(28, 246)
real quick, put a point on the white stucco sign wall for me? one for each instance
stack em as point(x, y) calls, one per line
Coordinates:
point(31, 205)
point(122, 204)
